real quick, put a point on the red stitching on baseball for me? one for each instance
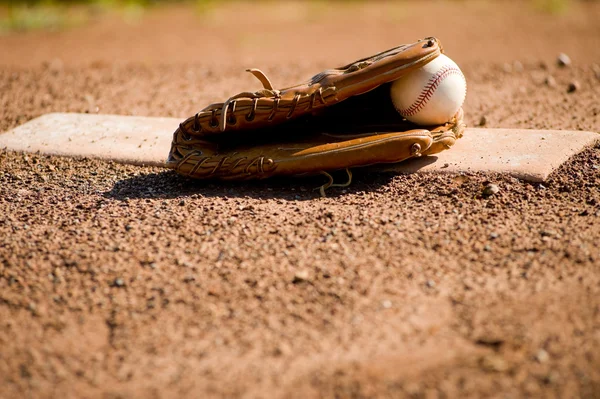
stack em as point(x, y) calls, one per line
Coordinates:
point(428, 90)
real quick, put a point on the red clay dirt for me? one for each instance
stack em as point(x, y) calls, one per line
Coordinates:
point(123, 281)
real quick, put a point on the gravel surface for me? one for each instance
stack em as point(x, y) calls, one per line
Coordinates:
point(123, 281)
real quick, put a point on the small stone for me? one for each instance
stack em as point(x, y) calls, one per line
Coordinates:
point(507, 67)
point(573, 87)
point(281, 349)
point(56, 65)
point(487, 248)
point(119, 282)
point(430, 284)
point(494, 363)
point(542, 356)
point(563, 60)
point(386, 304)
point(493, 235)
point(517, 66)
point(596, 69)
point(551, 378)
point(490, 189)
point(128, 227)
point(300, 276)
point(550, 81)
point(482, 120)
point(182, 203)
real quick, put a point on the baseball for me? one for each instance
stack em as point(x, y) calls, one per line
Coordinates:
point(430, 95)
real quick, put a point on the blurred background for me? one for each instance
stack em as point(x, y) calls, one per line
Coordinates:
point(273, 32)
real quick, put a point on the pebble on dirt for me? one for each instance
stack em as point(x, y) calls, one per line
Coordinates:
point(482, 121)
point(563, 60)
point(573, 87)
point(551, 378)
point(119, 282)
point(550, 81)
point(596, 69)
point(300, 276)
point(518, 66)
point(494, 363)
point(542, 356)
point(490, 189)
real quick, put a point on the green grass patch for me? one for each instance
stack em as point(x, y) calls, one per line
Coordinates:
point(552, 6)
point(40, 17)
point(53, 15)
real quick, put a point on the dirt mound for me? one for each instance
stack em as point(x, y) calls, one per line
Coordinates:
point(121, 281)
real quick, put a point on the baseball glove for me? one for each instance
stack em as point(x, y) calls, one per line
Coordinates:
point(341, 118)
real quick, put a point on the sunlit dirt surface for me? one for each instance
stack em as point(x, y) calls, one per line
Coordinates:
point(122, 281)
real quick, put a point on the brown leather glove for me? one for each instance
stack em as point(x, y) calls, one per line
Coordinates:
point(339, 119)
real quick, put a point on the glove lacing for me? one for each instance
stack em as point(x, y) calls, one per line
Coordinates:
point(267, 91)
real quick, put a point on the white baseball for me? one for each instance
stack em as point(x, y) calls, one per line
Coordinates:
point(432, 94)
